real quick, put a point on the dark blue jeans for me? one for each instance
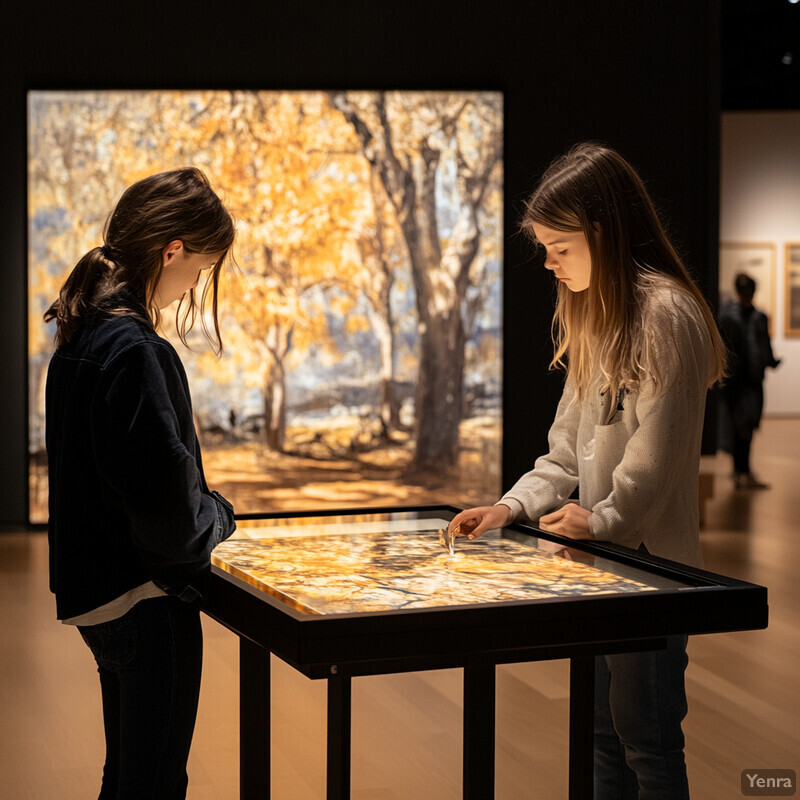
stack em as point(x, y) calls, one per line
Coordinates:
point(149, 662)
point(640, 702)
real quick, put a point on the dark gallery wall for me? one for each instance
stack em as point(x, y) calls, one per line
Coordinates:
point(641, 77)
point(759, 59)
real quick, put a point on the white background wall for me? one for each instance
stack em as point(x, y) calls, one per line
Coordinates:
point(760, 202)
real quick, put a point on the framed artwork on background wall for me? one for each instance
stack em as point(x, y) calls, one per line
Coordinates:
point(339, 383)
point(791, 323)
point(756, 259)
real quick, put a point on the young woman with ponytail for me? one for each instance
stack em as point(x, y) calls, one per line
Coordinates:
point(640, 349)
point(132, 521)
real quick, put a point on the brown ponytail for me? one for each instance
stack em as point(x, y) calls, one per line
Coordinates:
point(90, 280)
point(121, 276)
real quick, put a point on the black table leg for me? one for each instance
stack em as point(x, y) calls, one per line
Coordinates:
point(479, 705)
point(254, 728)
point(581, 728)
point(339, 709)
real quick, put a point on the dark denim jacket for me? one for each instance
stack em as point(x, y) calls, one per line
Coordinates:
point(128, 499)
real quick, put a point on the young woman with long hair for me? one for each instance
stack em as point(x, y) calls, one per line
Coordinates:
point(132, 521)
point(640, 348)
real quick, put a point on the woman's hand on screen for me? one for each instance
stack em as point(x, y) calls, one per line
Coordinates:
point(474, 522)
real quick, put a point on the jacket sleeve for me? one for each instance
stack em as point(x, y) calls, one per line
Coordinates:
point(146, 447)
point(554, 476)
point(658, 468)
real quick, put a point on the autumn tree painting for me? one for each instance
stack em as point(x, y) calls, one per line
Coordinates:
point(405, 149)
point(362, 332)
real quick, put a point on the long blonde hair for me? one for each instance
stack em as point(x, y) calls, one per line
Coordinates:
point(593, 189)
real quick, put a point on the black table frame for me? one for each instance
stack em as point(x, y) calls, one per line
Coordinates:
point(339, 647)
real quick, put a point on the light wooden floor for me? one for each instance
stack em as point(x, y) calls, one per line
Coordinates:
point(744, 692)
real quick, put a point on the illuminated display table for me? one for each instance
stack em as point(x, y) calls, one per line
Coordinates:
point(347, 593)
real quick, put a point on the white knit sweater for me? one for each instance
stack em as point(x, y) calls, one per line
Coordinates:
point(636, 469)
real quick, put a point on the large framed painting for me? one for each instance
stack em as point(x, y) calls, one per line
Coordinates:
point(756, 259)
point(362, 329)
point(791, 320)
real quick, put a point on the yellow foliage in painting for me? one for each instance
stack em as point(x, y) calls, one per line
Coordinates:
point(356, 323)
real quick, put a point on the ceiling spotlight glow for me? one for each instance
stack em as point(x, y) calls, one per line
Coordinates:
point(788, 58)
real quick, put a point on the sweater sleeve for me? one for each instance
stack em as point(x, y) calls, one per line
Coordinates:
point(147, 447)
point(654, 471)
point(554, 476)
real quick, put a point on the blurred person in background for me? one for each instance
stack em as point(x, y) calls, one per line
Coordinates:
point(745, 331)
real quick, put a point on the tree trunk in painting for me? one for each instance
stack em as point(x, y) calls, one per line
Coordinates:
point(275, 407)
point(439, 394)
point(378, 291)
point(389, 408)
point(441, 341)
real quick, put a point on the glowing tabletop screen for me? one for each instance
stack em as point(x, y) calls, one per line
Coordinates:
point(388, 566)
